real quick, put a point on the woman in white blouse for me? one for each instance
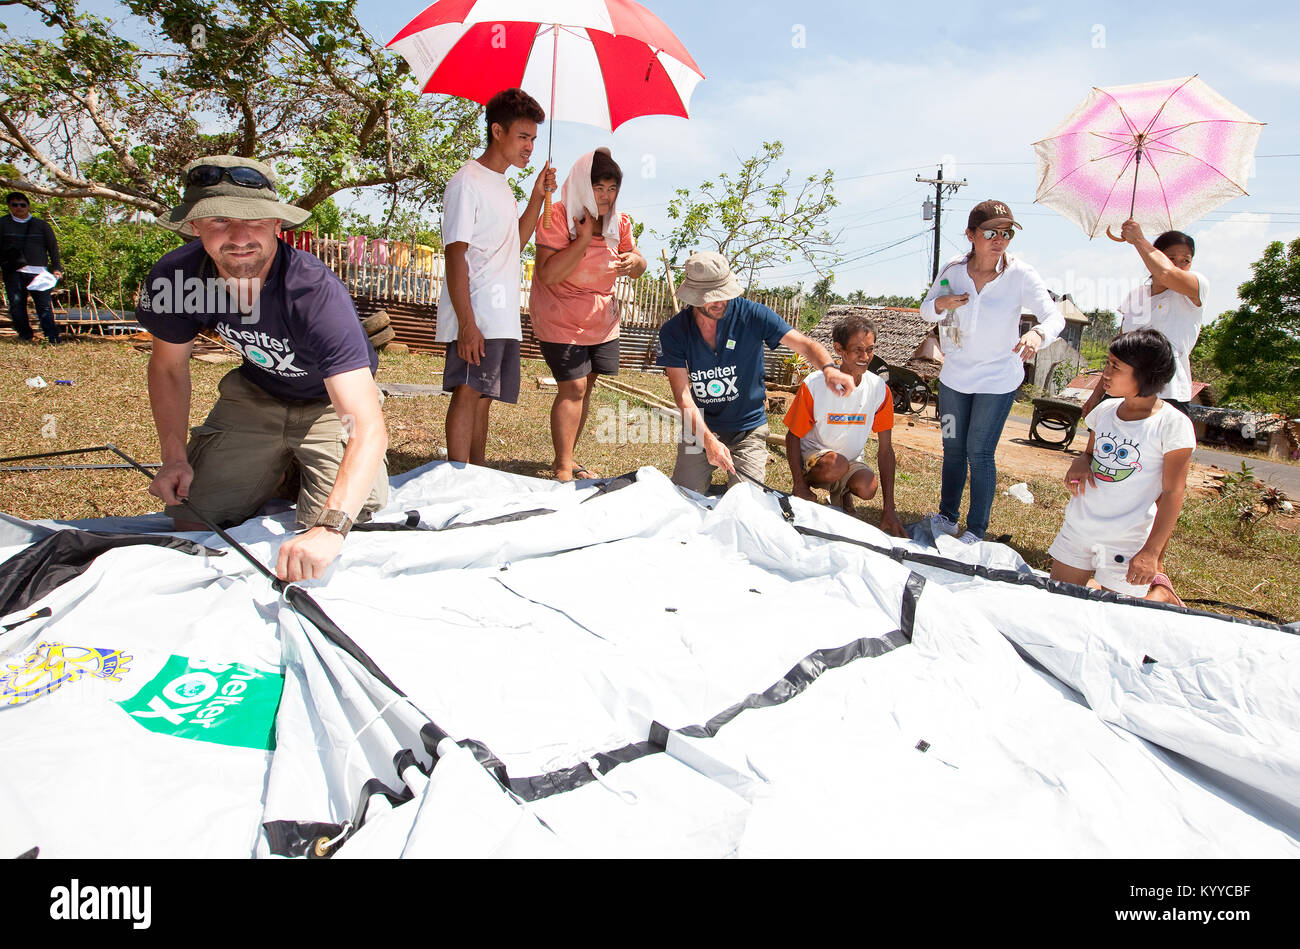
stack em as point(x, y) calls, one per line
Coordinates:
point(983, 358)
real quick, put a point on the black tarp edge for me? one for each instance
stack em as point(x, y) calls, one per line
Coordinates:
point(288, 840)
point(1058, 587)
point(64, 555)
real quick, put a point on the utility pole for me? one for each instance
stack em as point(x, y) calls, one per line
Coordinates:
point(940, 186)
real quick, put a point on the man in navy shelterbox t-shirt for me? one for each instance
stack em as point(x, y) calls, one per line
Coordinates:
point(712, 352)
point(304, 392)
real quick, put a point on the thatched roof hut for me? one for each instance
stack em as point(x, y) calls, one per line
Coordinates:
point(903, 339)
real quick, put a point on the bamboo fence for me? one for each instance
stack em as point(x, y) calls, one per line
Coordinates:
point(414, 273)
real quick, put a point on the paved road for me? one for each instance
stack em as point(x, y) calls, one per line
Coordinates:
point(1286, 477)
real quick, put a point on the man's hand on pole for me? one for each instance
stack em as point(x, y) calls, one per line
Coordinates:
point(308, 555)
point(718, 454)
point(172, 482)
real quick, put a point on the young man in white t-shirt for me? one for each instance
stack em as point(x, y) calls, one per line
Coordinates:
point(1128, 486)
point(827, 432)
point(478, 311)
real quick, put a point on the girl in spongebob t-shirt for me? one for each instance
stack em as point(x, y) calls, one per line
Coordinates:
point(1127, 488)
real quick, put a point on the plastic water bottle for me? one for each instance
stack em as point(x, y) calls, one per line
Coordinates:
point(949, 329)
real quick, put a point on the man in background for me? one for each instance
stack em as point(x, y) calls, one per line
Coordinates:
point(27, 242)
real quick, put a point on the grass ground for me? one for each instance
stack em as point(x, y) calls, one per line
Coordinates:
point(108, 403)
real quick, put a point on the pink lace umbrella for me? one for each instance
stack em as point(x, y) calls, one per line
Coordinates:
point(598, 62)
point(1163, 153)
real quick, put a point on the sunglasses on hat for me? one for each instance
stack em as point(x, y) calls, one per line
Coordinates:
point(1005, 233)
point(204, 176)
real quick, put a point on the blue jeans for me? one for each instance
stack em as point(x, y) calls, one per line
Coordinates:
point(971, 424)
point(16, 294)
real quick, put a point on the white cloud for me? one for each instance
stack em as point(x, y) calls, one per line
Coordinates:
point(1226, 249)
point(892, 107)
point(859, 117)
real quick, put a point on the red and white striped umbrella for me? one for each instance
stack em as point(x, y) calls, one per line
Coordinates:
point(598, 62)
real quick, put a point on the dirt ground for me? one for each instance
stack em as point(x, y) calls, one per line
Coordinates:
point(1016, 454)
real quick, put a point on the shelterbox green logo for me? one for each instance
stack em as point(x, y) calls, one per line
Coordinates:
point(224, 703)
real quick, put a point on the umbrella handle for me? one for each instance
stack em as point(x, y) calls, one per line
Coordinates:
point(546, 211)
point(1113, 237)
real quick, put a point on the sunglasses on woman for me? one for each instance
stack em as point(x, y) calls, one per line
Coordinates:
point(204, 176)
point(991, 232)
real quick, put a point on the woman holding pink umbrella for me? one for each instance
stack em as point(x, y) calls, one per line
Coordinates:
point(1172, 301)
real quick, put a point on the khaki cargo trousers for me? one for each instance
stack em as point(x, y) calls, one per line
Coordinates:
point(243, 450)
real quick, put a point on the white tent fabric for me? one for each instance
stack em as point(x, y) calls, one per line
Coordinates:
point(633, 673)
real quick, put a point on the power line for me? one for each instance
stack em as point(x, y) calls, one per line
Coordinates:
point(877, 262)
point(903, 217)
point(856, 214)
point(1031, 203)
point(850, 260)
point(878, 174)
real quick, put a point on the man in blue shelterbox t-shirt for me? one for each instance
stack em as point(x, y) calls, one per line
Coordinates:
point(305, 391)
point(712, 352)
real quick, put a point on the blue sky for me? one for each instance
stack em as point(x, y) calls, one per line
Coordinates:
point(880, 93)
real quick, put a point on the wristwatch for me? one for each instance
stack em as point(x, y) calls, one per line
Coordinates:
point(335, 521)
point(829, 365)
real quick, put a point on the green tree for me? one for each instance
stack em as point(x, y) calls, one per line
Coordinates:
point(296, 83)
point(755, 221)
point(1257, 346)
point(1102, 326)
point(105, 254)
point(1202, 362)
point(893, 300)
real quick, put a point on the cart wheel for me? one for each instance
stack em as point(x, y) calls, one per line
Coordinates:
point(918, 398)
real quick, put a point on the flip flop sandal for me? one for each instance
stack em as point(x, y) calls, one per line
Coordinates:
point(1161, 580)
point(575, 474)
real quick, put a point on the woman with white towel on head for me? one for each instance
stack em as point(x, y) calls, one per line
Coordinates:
point(585, 248)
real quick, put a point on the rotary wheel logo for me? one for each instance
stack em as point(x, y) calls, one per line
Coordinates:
point(259, 356)
point(52, 665)
point(716, 388)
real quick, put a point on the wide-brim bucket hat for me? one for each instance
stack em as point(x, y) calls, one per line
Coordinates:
point(226, 198)
point(708, 280)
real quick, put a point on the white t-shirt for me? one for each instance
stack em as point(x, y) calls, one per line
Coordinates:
point(827, 421)
point(479, 208)
point(990, 325)
point(1128, 462)
point(1178, 318)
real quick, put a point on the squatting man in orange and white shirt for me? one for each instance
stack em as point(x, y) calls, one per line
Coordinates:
point(829, 431)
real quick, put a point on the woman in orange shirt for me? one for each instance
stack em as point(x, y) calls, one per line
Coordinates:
point(587, 246)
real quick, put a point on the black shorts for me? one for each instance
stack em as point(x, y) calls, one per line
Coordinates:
point(496, 376)
point(570, 361)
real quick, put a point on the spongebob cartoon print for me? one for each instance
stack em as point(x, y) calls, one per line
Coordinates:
point(1114, 459)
